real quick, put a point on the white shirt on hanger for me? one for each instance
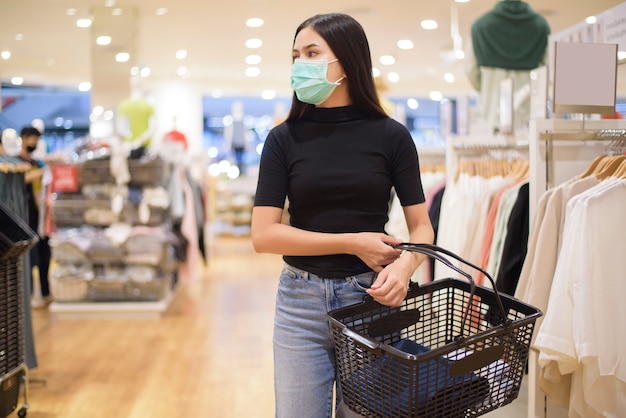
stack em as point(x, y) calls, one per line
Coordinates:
point(581, 336)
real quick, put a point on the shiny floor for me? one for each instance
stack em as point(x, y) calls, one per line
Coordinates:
point(209, 355)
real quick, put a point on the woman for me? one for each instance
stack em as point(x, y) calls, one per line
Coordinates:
point(336, 158)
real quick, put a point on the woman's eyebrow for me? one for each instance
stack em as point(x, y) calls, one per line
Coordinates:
point(307, 47)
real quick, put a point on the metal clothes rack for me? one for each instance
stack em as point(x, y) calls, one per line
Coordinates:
point(558, 151)
point(615, 138)
point(499, 148)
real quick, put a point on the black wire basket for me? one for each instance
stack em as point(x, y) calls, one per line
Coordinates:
point(452, 349)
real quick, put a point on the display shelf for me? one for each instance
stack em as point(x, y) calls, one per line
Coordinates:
point(110, 310)
point(115, 264)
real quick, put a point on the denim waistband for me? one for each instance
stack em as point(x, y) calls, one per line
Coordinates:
point(306, 275)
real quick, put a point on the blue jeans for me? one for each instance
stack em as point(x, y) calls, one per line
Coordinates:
point(304, 355)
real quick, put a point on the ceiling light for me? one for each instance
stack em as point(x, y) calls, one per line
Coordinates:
point(252, 72)
point(182, 71)
point(134, 70)
point(181, 54)
point(435, 96)
point(83, 23)
point(212, 152)
point(233, 172)
point(393, 77)
point(405, 44)
point(413, 104)
point(84, 86)
point(375, 72)
point(254, 43)
point(17, 81)
point(5, 55)
point(19, 36)
point(145, 72)
point(387, 60)
point(216, 94)
point(459, 54)
point(429, 24)
point(71, 12)
point(254, 22)
point(98, 110)
point(161, 11)
point(449, 77)
point(591, 20)
point(117, 11)
point(122, 57)
point(621, 55)
point(253, 59)
point(268, 94)
point(103, 40)
point(109, 3)
point(462, 1)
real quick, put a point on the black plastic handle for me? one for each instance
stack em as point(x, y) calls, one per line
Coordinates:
point(435, 252)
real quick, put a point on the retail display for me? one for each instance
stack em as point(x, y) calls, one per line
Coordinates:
point(113, 242)
point(575, 260)
point(233, 205)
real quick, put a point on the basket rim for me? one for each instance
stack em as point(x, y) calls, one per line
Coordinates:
point(335, 316)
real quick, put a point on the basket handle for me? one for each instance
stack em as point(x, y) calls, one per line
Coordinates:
point(435, 252)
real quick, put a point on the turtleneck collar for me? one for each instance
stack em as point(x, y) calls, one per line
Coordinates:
point(333, 114)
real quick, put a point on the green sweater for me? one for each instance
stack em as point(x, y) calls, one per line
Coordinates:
point(511, 36)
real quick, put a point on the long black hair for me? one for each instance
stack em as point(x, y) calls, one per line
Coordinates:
point(346, 38)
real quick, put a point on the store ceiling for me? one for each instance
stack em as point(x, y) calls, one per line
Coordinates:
point(54, 51)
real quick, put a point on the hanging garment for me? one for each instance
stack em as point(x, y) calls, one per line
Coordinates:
point(577, 341)
point(545, 242)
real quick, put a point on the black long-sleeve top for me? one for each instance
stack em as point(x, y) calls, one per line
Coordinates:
point(337, 168)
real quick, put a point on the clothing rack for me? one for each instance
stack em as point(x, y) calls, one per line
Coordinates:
point(12, 165)
point(558, 151)
point(612, 139)
point(562, 149)
point(494, 148)
point(432, 159)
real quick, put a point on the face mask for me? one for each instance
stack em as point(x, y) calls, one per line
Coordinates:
point(308, 81)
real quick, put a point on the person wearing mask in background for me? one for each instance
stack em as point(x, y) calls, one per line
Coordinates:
point(40, 254)
point(336, 159)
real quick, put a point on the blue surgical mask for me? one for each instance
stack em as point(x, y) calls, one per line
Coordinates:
point(308, 80)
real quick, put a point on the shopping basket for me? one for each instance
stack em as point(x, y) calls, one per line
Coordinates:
point(452, 349)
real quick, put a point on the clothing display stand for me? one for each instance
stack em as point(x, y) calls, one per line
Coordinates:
point(558, 151)
point(481, 146)
point(113, 245)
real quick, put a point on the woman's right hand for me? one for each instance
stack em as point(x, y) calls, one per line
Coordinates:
point(374, 249)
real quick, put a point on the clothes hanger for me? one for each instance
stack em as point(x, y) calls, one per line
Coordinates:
point(621, 171)
point(609, 169)
point(524, 171)
point(592, 167)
